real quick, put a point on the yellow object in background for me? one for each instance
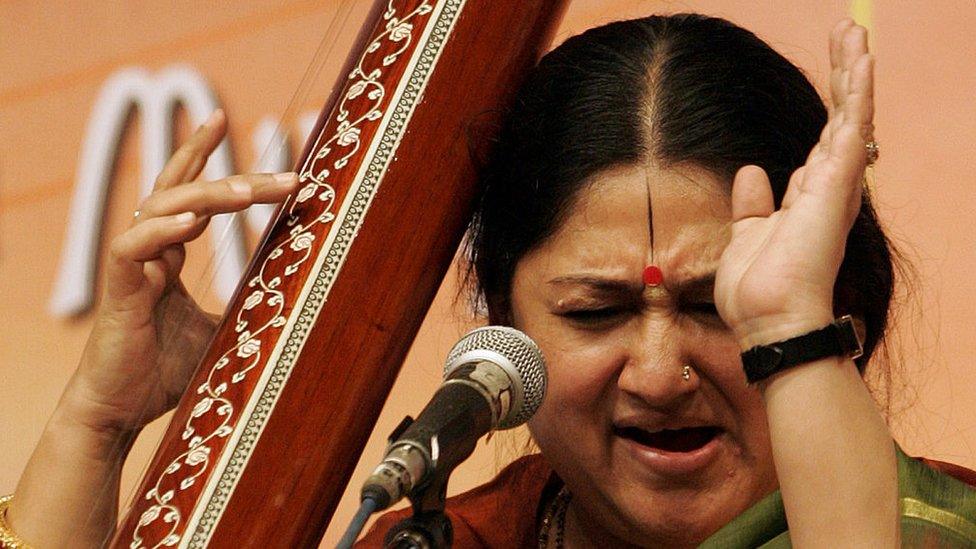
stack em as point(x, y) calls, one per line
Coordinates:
point(861, 11)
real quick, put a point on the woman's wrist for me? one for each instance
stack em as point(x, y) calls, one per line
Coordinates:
point(780, 327)
point(9, 537)
point(89, 426)
point(817, 374)
point(84, 461)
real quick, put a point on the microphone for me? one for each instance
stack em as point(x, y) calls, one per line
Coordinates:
point(494, 379)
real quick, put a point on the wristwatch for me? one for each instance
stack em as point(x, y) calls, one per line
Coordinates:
point(839, 338)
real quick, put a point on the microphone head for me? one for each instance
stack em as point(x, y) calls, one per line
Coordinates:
point(517, 355)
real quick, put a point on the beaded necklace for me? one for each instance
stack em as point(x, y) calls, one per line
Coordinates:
point(554, 523)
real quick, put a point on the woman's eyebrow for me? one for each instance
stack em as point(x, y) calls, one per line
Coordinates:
point(700, 282)
point(597, 283)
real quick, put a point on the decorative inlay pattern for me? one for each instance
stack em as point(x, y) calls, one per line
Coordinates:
point(315, 201)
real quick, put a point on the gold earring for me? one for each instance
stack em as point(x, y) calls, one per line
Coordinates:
point(686, 373)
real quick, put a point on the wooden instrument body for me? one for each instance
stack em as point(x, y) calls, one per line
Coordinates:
point(263, 442)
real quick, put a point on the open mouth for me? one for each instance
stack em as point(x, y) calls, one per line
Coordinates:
point(670, 440)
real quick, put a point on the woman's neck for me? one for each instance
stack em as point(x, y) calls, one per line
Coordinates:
point(582, 531)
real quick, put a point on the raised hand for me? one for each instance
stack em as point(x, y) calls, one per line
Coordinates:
point(776, 277)
point(149, 333)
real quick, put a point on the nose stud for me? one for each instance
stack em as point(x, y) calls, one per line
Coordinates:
point(686, 373)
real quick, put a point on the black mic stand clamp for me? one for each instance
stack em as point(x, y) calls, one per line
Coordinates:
point(429, 527)
point(425, 530)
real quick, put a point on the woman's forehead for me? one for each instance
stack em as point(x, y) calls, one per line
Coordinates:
point(609, 227)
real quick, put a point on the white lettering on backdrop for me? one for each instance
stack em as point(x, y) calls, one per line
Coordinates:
point(155, 97)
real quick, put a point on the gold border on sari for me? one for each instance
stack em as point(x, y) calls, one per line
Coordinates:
point(917, 509)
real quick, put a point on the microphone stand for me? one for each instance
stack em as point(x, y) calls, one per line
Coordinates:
point(429, 527)
point(425, 530)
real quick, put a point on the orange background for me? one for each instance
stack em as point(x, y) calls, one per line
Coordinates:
point(55, 58)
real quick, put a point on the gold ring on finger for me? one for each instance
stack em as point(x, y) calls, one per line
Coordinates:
point(873, 150)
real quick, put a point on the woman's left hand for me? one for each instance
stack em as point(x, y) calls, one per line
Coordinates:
point(775, 281)
point(776, 277)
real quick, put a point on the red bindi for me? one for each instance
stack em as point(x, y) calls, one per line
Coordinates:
point(653, 275)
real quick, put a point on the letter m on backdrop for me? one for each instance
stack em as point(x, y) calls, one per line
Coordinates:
point(156, 98)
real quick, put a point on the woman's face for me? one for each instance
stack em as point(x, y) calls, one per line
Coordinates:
point(649, 457)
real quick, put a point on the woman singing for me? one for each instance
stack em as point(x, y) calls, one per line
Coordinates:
point(674, 216)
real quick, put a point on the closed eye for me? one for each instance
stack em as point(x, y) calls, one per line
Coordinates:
point(704, 312)
point(596, 317)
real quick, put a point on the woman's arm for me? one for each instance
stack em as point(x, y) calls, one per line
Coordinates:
point(834, 456)
point(68, 493)
point(130, 373)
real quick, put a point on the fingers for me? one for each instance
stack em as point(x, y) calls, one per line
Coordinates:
point(752, 195)
point(848, 149)
point(859, 107)
point(207, 198)
point(794, 187)
point(848, 139)
point(855, 45)
point(191, 157)
point(143, 243)
point(836, 60)
point(848, 42)
point(173, 216)
point(837, 39)
point(852, 94)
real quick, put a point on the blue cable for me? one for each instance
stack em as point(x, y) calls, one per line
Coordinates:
point(366, 508)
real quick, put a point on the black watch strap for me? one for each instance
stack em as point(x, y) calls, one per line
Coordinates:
point(838, 338)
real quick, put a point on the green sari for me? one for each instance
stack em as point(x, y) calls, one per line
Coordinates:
point(937, 510)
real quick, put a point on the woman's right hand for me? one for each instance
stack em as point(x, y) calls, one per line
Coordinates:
point(149, 334)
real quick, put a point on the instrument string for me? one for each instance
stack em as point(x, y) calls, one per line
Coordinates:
point(279, 142)
point(203, 284)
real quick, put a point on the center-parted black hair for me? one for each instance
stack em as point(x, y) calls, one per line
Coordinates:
point(679, 89)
